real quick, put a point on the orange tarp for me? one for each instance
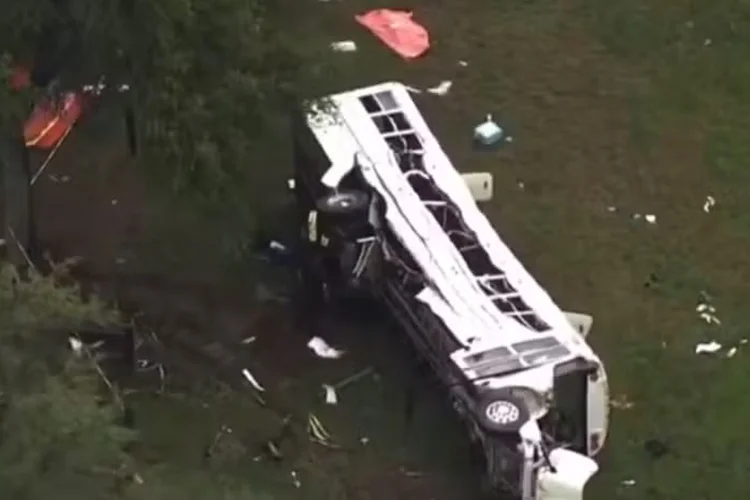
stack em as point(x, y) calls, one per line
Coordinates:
point(397, 30)
point(50, 121)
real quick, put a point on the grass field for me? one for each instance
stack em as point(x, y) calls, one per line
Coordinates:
point(617, 108)
point(635, 105)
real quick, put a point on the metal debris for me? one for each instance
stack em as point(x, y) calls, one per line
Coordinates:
point(321, 348)
point(249, 377)
point(442, 88)
point(707, 347)
point(318, 433)
point(709, 203)
point(344, 46)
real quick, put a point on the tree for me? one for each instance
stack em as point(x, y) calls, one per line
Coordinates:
point(58, 430)
point(204, 78)
point(59, 425)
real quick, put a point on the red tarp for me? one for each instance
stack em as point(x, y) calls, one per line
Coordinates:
point(397, 30)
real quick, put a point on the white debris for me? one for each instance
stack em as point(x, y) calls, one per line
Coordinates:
point(248, 340)
point(277, 246)
point(707, 347)
point(628, 482)
point(703, 307)
point(295, 480)
point(442, 88)
point(709, 318)
point(707, 42)
point(76, 345)
point(463, 64)
point(650, 218)
point(291, 183)
point(323, 350)
point(611, 209)
point(743, 341)
point(709, 203)
point(731, 352)
point(344, 46)
point(364, 440)
point(331, 397)
point(114, 202)
point(252, 380)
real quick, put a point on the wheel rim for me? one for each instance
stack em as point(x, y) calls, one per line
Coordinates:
point(502, 412)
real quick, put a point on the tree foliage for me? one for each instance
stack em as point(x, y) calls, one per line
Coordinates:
point(58, 430)
point(204, 74)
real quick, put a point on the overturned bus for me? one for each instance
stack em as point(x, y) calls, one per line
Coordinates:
point(382, 210)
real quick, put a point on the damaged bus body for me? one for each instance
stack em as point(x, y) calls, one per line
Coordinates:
point(382, 210)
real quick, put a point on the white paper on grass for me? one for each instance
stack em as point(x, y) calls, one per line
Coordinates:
point(321, 349)
point(331, 397)
point(707, 347)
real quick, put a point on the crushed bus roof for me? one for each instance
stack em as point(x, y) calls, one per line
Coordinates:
point(478, 287)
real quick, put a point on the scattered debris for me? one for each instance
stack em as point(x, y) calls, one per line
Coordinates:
point(364, 440)
point(731, 352)
point(707, 347)
point(488, 133)
point(409, 473)
point(63, 179)
point(707, 313)
point(277, 246)
point(397, 30)
point(209, 451)
point(75, 345)
point(331, 397)
point(249, 377)
point(463, 64)
point(650, 218)
point(709, 203)
point(628, 482)
point(248, 340)
point(611, 209)
point(114, 202)
point(343, 46)
point(318, 433)
point(442, 88)
point(323, 350)
point(295, 480)
point(621, 402)
point(521, 185)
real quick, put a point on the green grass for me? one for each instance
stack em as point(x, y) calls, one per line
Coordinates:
point(621, 103)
